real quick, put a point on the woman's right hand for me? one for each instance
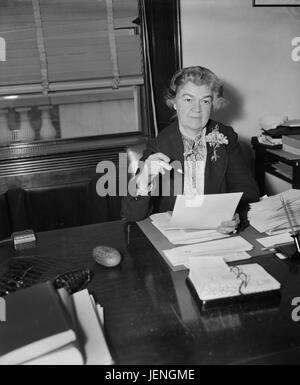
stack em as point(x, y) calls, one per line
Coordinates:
point(155, 164)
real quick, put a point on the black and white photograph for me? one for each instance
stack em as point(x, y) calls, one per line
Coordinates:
point(149, 185)
point(276, 2)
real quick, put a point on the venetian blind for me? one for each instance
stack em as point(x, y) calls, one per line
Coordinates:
point(69, 44)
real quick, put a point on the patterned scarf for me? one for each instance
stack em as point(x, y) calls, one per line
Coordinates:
point(195, 154)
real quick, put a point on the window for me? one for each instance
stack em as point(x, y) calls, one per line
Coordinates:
point(73, 69)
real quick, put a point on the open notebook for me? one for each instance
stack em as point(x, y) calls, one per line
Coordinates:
point(213, 281)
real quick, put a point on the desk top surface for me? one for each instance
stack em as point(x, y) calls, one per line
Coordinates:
point(150, 316)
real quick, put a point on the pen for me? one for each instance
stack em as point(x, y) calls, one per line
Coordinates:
point(128, 233)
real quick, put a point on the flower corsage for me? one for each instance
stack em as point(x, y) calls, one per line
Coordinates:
point(216, 139)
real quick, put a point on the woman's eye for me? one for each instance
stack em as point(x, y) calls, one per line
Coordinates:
point(187, 100)
point(206, 101)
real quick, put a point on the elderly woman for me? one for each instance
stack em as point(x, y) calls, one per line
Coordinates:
point(210, 152)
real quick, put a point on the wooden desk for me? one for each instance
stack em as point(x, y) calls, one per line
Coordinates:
point(150, 316)
point(161, 243)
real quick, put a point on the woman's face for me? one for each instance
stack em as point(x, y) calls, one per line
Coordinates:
point(193, 104)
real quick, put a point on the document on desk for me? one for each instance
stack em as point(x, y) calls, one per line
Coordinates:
point(212, 279)
point(268, 215)
point(229, 249)
point(275, 240)
point(179, 236)
point(204, 212)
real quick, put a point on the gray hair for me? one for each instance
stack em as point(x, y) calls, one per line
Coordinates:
point(199, 76)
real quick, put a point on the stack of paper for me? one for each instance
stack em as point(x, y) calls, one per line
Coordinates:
point(269, 216)
point(90, 319)
point(195, 218)
point(230, 249)
point(182, 236)
point(90, 347)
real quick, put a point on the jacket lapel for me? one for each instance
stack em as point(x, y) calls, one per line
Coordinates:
point(176, 144)
point(214, 170)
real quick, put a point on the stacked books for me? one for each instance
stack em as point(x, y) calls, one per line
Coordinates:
point(269, 215)
point(291, 143)
point(48, 327)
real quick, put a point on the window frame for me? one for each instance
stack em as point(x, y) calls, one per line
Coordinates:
point(26, 153)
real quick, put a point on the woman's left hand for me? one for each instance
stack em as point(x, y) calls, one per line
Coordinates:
point(229, 227)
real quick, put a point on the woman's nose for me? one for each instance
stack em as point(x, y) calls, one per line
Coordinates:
point(197, 106)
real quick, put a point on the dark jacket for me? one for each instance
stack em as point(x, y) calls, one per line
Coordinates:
point(228, 174)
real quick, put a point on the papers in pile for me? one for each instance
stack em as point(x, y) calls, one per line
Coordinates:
point(230, 249)
point(179, 236)
point(196, 218)
point(269, 216)
point(194, 223)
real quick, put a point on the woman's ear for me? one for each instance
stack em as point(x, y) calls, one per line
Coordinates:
point(174, 106)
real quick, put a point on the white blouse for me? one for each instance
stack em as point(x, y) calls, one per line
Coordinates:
point(195, 154)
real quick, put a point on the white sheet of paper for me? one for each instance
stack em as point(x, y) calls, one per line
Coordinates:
point(275, 239)
point(204, 211)
point(179, 236)
point(179, 260)
point(212, 278)
point(230, 249)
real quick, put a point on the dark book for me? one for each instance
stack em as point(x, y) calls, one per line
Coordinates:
point(36, 323)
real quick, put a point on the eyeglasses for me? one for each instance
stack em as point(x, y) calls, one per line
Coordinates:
point(20, 274)
point(242, 276)
point(14, 282)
